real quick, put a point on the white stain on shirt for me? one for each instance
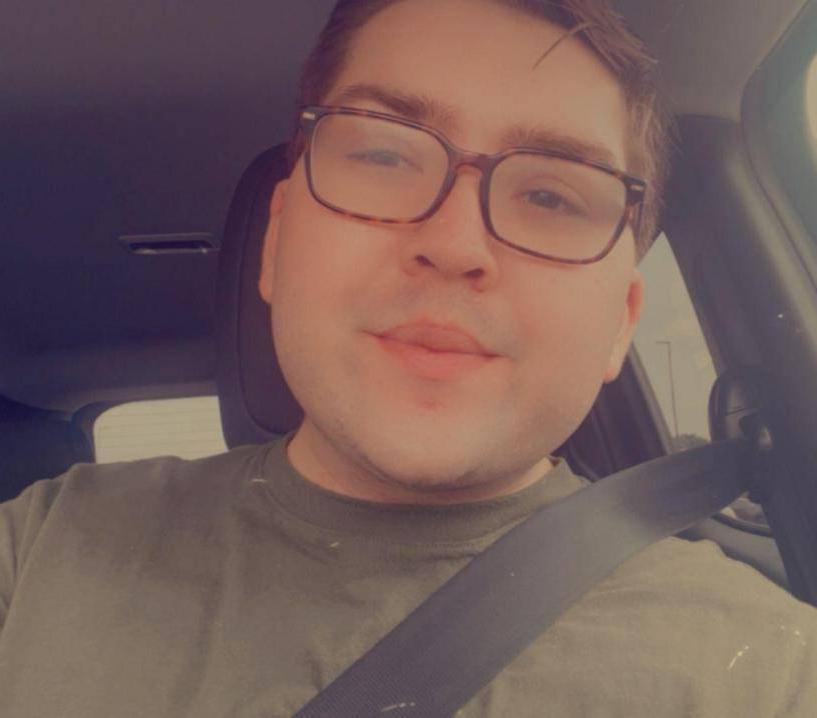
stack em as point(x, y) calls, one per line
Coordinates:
point(738, 655)
point(795, 632)
point(397, 707)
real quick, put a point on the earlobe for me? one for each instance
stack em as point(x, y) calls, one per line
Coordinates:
point(265, 278)
point(629, 321)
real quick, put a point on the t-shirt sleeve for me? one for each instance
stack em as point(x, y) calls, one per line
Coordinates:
point(20, 523)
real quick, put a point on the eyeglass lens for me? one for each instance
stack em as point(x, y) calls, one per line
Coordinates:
point(385, 170)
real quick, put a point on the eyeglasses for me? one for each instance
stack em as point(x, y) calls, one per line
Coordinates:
point(374, 166)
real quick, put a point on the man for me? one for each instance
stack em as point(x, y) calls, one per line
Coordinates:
point(451, 271)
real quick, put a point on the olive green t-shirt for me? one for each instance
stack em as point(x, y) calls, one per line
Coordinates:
point(231, 586)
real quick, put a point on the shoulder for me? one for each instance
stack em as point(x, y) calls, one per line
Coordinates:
point(679, 629)
point(147, 476)
point(147, 479)
point(684, 584)
point(693, 567)
point(107, 499)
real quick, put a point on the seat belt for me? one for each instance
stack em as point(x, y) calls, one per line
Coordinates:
point(468, 630)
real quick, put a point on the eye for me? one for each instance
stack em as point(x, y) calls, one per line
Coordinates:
point(546, 199)
point(382, 158)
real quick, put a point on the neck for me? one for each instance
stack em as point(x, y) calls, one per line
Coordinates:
point(322, 463)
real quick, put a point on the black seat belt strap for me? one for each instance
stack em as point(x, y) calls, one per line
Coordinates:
point(462, 636)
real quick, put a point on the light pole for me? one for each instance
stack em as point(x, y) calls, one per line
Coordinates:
point(671, 384)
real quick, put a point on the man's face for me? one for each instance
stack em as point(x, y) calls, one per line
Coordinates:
point(406, 416)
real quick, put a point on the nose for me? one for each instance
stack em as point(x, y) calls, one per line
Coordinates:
point(454, 242)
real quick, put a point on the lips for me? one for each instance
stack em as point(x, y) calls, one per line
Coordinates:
point(437, 352)
point(436, 338)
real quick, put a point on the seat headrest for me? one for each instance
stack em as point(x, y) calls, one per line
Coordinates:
point(36, 444)
point(256, 403)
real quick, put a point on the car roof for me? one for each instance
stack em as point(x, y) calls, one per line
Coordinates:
point(137, 119)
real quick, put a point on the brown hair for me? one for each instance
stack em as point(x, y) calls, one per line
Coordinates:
point(595, 23)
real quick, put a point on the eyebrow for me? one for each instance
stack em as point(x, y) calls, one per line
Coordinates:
point(428, 111)
point(417, 108)
point(555, 141)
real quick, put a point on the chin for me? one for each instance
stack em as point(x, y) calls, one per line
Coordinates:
point(426, 477)
point(429, 459)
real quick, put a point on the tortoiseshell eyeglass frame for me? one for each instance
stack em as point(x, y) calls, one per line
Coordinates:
point(634, 187)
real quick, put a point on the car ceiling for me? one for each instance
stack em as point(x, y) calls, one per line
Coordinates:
point(138, 118)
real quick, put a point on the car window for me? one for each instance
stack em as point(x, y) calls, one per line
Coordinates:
point(673, 351)
point(676, 359)
point(188, 428)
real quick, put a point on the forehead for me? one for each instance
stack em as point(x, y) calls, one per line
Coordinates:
point(477, 63)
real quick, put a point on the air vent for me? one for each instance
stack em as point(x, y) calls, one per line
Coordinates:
point(153, 244)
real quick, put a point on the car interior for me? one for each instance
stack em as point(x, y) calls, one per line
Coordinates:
point(141, 144)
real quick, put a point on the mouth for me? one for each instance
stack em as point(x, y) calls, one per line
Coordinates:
point(435, 351)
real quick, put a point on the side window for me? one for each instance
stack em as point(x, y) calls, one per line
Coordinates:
point(673, 351)
point(188, 428)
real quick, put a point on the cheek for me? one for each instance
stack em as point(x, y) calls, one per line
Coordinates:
point(325, 268)
point(309, 301)
point(313, 263)
point(571, 324)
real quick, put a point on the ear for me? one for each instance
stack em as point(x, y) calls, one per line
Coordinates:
point(629, 320)
point(265, 279)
